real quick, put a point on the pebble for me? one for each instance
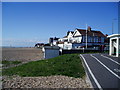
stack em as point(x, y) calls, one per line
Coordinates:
point(58, 81)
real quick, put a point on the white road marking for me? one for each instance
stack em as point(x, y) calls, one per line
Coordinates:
point(98, 85)
point(105, 67)
point(117, 70)
point(110, 59)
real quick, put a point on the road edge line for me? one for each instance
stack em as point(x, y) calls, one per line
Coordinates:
point(95, 80)
point(87, 77)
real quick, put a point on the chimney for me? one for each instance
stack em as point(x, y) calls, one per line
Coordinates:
point(106, 35)
point(50, 40)
point(89, 28)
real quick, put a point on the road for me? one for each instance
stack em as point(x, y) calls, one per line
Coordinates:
point(103, 70)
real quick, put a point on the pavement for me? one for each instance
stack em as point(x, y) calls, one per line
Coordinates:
point(103, 70)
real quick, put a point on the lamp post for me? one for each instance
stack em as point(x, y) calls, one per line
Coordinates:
point(86, 35)
point(113, 25)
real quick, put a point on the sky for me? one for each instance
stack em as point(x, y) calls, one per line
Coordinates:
point(27, 23)
point(60, 0)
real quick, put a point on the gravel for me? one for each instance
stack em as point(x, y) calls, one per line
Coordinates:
point(44, 82)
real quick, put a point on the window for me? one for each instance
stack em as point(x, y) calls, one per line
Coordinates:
point(96, 39)
point(92, 39)
point(102, 39)
point(99, 39)
point(83, 38)
point(88, 39)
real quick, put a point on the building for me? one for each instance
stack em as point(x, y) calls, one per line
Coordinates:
point(114, 45)
point(39, 45)
point(80, 38)
point(53, 41)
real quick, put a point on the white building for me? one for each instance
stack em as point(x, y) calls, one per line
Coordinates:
point(53, 41)
point(77, 39)
point(114, 45)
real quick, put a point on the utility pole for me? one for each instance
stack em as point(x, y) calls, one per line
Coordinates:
point(113, 26)
point(86, 35)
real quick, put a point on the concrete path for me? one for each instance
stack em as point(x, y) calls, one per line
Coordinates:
point(103, 70)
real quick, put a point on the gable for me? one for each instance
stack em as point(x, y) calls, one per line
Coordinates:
point(76, 33)
point(70, 34)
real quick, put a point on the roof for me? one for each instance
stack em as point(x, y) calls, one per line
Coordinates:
point(114, 35)
point(60, 42)
point(40, 43)
point(72, 32)
point(55, 38)
point(91, 33)
point(65, 37)
point(69, 32)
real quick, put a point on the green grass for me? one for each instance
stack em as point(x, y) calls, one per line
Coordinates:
point(68, 65)
point(8, 63)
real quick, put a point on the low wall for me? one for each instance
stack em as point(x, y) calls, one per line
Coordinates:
point(72, 51)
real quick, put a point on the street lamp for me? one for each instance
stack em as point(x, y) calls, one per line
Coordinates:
point(86, 35)
point(113, 25)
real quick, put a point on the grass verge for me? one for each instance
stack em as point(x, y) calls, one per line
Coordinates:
point(68, 65)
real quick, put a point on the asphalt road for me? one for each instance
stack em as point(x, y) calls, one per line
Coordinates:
point(103, 70)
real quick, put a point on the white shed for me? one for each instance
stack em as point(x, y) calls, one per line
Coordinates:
point(50, 51)
point(114, 45)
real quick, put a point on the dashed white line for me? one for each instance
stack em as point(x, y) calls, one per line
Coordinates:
point(117, 70)
point(111, 59)
point(97, 83)
point(105, 66)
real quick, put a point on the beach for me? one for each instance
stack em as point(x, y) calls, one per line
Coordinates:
point(22, 54)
